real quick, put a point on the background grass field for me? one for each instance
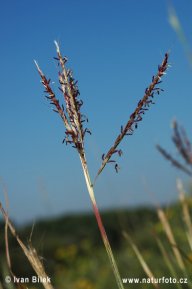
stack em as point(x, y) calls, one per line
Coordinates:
point(74, 257)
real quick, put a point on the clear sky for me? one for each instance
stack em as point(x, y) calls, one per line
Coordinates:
point(113, 48)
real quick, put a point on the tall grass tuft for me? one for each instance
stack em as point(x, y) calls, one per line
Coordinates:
point(177, 258)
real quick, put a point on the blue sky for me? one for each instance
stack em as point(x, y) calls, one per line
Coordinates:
point(113, 48)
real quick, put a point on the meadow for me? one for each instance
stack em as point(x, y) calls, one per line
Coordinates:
point(73, 255)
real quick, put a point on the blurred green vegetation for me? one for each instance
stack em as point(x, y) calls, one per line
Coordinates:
point(74, 257)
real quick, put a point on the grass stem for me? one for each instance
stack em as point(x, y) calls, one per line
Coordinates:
point(100, 224)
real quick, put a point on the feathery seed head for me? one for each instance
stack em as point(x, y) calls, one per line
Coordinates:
point(184, 148)
point(70, 112)
point(137, 116)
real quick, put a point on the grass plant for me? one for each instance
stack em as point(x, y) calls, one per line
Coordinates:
point(75, 131)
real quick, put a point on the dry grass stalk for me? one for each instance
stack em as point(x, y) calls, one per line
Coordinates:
point(184, 148)
point(144, 265)
point(137, 115)
point(186, 214)
point(167, 260)
point(167, 228)
point(29, 252)
point(178, 28)
point(7, 245)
